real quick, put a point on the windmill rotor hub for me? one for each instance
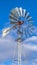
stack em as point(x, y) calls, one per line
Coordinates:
point(20, 22)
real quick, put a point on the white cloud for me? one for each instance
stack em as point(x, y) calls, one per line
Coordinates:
point(33, 38)
point(9, 50)
point(13, 64)
point(6, 48)
point(30, 47)
point(35, 61)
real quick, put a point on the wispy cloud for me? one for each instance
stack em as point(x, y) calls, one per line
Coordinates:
point(9, 49)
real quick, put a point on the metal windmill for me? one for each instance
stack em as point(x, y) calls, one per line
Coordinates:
point(21, 21)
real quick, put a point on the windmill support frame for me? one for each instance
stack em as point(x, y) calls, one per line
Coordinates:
point(19, 53)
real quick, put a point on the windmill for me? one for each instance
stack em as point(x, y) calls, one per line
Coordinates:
point(22, 22)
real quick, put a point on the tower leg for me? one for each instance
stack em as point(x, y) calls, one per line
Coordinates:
point(19, 53)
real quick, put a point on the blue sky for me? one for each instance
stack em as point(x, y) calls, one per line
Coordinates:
point(5, 8)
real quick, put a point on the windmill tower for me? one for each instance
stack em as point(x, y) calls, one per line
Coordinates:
point(22, 22)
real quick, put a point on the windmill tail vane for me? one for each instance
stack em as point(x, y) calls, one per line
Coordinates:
point(5, 32)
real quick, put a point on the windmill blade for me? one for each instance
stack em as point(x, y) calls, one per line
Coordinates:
point(20, 10)
point(29, 18)
point(24, 11)
point(13, 18)
point(27, 14)
point(13, 22)
point(5, 32)
point(17, 10)
point(14, 11)
point(30, 25)
point(12, 14)
point(25, 33)
point(30, 32)
point(31, 28)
